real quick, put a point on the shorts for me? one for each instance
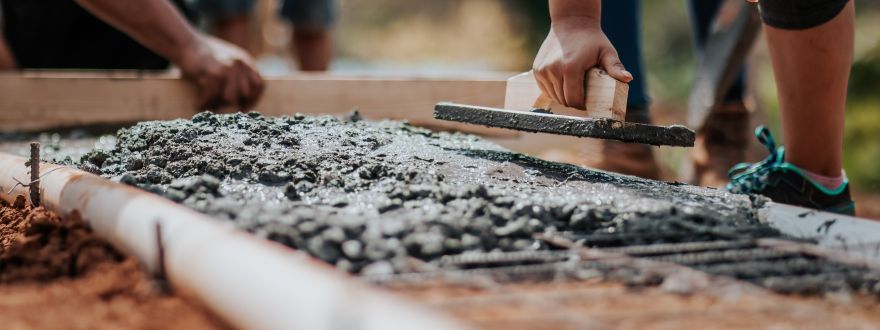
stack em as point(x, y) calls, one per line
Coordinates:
point(800, 14)
point(301, 13)
point(59, 34)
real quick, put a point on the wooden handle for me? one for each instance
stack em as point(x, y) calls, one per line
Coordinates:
point(605, 96)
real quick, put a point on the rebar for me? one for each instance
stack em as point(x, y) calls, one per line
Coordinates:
point(34, 185)
point(673, 248)
point(711, 257)
point(504, 258)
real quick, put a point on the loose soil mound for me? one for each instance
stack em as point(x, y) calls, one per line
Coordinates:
point(57, 274)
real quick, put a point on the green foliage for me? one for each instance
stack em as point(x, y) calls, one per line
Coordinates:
point(668, 50)
point(536, 15)
point(862, 153)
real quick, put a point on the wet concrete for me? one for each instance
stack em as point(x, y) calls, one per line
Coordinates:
point(64, 147)
point(542, 121)
point(368, 196)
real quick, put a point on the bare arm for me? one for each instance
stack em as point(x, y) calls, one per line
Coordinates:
point(575, 44)
point(154, 23)
point(224, 73)
point(7, 61)
point(589, 10)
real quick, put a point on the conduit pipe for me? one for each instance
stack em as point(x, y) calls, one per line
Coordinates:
point(857, 237)
point(249, 281)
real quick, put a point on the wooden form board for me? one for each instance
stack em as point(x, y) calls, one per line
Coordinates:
point(605, 96)
point(42, 100)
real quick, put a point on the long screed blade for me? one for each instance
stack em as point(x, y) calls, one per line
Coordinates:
point(722, 59)
point(537, 122)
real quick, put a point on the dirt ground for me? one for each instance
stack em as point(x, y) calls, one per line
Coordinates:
point(57, 274)
point(604, 305)
point(867, 205)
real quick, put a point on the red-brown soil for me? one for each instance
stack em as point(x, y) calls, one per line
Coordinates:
point(608, 305)
point(57, 274)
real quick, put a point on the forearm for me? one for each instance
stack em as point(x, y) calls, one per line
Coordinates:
point(582, 10)
point(7, 61)
point(156, 24)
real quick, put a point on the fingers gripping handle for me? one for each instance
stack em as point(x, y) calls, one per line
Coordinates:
point(605, 96)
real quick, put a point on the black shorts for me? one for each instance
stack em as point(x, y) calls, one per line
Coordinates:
point(59, 34)
point(317, 14)
point(799, 14)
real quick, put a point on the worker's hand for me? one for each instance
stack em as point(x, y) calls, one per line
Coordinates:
point(224, 74)
point(573, 47)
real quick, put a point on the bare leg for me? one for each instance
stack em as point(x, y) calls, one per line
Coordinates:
point(234, 29)
point(812, 69)
point(313, 48)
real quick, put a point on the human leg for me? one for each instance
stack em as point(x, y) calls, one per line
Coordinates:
point(722, 140)
point(812, 69)
point(621, 22)
point(229, 19)
point(312, 40)
point(811, 47)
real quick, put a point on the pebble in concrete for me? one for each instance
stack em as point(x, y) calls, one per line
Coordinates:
point(367, 195)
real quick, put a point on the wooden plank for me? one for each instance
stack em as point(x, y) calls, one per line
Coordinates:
point(43, 100)
point(605, 96)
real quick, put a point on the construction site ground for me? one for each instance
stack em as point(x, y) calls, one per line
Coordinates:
point(494, 238)
point(57, 274)
point(600, 304)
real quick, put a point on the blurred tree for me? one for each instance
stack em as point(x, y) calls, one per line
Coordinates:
point(534, 16)
point(865, 73)
point(863, 122)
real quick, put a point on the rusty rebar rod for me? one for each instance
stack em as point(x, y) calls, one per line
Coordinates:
point(34, 185)
point(161, 276)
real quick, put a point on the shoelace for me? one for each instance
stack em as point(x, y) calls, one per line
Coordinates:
point(747, 178)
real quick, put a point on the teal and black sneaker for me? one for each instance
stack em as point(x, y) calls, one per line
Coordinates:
point(785, 183)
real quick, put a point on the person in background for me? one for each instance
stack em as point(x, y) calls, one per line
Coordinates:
point(7, 62)
point(312, 21)
point(129, 35)
point(723, 140)
point(811, 44)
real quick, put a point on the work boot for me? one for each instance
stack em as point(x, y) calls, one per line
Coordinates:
point(721, 143)
point(626, 158)
point(612, 156)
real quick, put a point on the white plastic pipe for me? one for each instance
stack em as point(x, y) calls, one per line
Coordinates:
point(249, 281)
point(857, 237)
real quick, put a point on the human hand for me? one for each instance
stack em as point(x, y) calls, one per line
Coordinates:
point(573, 47)
point(224, 74)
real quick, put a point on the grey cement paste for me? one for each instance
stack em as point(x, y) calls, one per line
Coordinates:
point(369, 196)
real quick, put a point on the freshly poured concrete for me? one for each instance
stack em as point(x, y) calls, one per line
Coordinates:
point(367, 196)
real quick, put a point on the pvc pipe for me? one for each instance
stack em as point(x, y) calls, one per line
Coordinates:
point(251, 282)
point(857, 237)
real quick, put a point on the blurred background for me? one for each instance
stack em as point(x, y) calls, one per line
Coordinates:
point(473, 36)
point(482, 37)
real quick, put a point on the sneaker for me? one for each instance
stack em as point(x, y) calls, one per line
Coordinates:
point(721, 143)
point(786, 183)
